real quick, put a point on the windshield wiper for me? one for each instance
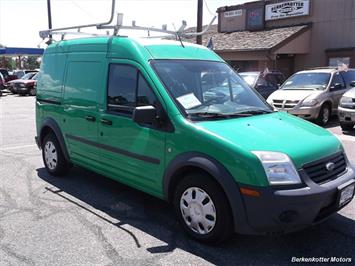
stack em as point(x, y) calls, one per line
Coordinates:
point(254, 112)
point(219, 115)
point(208, 114)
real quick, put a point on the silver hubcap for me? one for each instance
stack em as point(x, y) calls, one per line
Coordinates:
point(325, 115)
point(198, 210)
point(50, 155)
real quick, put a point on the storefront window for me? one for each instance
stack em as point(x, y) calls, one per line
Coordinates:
point(338, 61)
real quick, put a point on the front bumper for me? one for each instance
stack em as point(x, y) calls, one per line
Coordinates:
point(279, 211)
point(309, 113)
point(346, 115)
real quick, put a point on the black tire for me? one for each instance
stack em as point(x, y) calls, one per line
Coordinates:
point(346, 126)
point(32, 92)
point(223, 228)
point(321, 119)
point(62, 165)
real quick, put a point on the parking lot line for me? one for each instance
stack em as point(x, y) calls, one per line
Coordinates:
point(16, 147)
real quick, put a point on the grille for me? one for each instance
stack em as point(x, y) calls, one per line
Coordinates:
point(282, 104)
point(318, 172)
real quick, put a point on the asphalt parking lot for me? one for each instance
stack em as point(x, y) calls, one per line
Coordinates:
point(87, 219)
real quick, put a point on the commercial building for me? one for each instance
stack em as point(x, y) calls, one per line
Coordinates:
point(285, 35)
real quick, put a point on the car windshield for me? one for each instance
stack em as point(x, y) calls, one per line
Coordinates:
point(249, 78)
point(206, 89)
point(28, 76)
point(35, 76)
point(304, 81)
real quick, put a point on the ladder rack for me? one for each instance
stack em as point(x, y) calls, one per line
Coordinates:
point(118, 26)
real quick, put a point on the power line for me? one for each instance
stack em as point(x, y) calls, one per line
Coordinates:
point(82, 9)
point(208, 9)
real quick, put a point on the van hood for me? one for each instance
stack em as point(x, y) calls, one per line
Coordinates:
point(302, 141)
point(294, 95)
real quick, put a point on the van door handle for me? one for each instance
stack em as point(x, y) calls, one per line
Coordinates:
point(90, 118)
point(106, 122)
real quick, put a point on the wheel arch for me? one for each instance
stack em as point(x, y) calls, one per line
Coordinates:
point(192, 162)
point(50, 125)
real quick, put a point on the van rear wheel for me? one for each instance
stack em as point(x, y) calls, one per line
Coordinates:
point(53, 157)
point(203, 209)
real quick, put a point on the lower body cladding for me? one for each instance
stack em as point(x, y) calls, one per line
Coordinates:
point(278, 211)
point(346, 115)
point(308, 113)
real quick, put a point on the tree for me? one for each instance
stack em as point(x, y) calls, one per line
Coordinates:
point(31, 62)
point(7, 62)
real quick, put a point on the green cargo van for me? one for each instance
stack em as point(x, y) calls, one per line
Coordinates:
point(175, 121)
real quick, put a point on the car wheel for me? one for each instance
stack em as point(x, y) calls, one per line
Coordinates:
point(346, 127)
point(203, 209)
point(324, 115)
point(53, 157)
point(32, 92)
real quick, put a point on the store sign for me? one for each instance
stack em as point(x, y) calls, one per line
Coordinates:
point(287, 9)
point(255, 18)
point(233, 13)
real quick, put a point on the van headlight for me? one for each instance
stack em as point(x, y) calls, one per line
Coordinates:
point(278, 167)
point(309, 103)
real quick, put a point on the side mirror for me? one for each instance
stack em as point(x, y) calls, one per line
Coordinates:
point(336, 87)
point(145, 114)
point(352, 83)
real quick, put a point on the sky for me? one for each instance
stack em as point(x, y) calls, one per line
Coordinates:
point(21, 20)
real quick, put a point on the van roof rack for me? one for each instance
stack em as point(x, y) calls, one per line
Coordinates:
point(118, 26)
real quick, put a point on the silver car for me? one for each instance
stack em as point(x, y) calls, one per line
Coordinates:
point(313, 94)
point(346, 110)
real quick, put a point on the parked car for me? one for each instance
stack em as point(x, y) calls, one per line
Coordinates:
point(226, 161)
point(346, 110)
point(13, 85)
point(6, 75)
point(27, 87)
point(21, 73)
point(313, 94)
point(264, 83)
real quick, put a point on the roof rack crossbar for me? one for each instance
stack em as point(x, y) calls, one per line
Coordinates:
point(106, 25)
point(46, 33)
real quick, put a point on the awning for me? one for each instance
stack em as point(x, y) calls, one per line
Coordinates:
point(14, 51)
point(259, 45)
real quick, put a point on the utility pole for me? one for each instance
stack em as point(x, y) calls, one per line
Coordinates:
point(199, 20)
point(49, 17)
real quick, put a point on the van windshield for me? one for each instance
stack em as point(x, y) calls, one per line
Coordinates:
point(304, 81)
point(206, 89)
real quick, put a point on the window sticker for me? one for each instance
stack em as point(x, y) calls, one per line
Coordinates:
point(189, 101)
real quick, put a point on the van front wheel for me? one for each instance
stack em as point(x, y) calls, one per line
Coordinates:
point(202, 209)
point(324, 115)
point(53, 157)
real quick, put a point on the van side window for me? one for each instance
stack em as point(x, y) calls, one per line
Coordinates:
point(122, 88)
point(348, 76)
point(145, 95)
point(127, 89)
point(337, 79)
